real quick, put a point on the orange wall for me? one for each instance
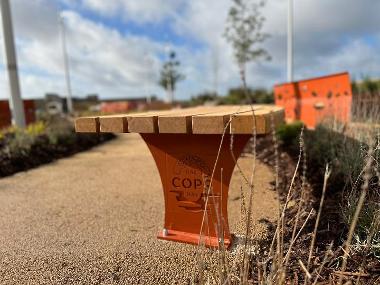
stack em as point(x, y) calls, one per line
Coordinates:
point(314, 99)
point(5, 113)
point(30, 111)
point(116, 107)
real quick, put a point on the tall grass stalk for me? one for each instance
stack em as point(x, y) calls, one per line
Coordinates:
point(363, 194)
point(314, 235)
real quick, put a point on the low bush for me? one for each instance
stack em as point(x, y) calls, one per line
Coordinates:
point(289, 134)
point(346, 157)
point(42, 142)
point(366, 238)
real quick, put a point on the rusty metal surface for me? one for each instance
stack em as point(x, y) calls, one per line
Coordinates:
point(195, 199)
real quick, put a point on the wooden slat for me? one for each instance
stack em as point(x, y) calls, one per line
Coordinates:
point(178, 124)
point(179, 121)
point(87, 125)
point(148, 122)
point(244, 123)
point(215, 123)
point(142, 124)
point(198, 120)
point(210, 123)
point(113, 124)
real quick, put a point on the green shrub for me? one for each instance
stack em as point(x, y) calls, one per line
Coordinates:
point(36, 129)
point(42, 142)
point(346, 157)
point(367, 233)
point(289, 133)
point(344, 154)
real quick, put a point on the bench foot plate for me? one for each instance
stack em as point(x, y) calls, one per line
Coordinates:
point(184, 237)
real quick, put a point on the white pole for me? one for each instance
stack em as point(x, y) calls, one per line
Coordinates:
point(69, 101)
point(215, 67)
point(16, 103)
point(170, 90)
point(290, 41)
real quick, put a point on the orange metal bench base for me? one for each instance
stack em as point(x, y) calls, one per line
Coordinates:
point(185, 163)
point(190, 238)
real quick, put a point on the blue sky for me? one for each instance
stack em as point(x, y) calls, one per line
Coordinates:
point(116, 47)
point(157, 31)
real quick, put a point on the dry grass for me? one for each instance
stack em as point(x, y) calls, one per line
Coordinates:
point(251, 264)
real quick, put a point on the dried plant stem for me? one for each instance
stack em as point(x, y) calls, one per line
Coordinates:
point(299, 210)
point(311, 251)
point(303, 183)
point(363, 194)
point(325, 259)
point(296, 237)
point(303, 267)
point(204, 217)
point(281, 217)
point(248, 212)
point(279, 229)
point(210, 190)
point(288, 196)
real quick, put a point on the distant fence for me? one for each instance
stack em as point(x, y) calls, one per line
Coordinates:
point(365, 107)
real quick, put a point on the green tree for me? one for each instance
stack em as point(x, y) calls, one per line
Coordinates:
point(244, 31)
point(203, 98)
point(170, 75)
point(237, 96)
point(370, 86)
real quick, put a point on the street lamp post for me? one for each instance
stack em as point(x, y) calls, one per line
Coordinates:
point(69, 101)
point(11, 61)
point(290, 41)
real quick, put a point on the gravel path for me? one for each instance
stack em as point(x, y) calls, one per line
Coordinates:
point(93, 218)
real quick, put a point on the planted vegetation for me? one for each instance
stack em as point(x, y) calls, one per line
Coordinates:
point(328, 224)
point(42, 142)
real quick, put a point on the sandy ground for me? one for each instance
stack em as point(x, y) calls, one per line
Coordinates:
point(93, 219)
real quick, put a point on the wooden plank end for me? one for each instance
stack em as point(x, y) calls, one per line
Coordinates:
point(87, 125)
point(143, 124)
point(245, 124)
point(113, 124)
point(174, 124)
point(210, 124)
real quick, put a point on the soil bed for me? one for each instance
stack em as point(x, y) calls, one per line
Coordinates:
point(331, 231)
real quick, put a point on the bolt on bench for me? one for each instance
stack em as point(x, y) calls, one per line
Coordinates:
point(185, 144)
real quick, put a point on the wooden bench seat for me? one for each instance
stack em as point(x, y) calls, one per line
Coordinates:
point(197, 120)
point(195, 156)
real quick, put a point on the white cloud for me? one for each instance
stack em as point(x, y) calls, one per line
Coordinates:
point(134, 10)
point(101, 59)
point(97, 51)
point(324, 30)
point(364, 55)
point(328, 39)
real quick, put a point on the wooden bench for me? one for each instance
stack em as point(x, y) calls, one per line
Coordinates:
point(193, 154)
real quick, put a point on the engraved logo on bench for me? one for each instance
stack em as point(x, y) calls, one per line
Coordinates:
point(190, 180)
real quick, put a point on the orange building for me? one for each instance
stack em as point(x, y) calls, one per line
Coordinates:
point(314, 99)
point(115, 107)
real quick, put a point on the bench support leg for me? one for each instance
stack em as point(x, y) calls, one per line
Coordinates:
point(185, 163)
